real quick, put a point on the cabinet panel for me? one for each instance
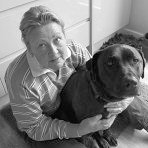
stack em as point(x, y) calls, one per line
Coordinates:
point(109, 16)
point(11, 37)
point(79, 33)
point(7, 4)
point(72, 12)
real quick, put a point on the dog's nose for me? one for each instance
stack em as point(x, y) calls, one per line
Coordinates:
point(130, 83)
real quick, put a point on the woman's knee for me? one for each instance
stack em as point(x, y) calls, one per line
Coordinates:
point(71, 143)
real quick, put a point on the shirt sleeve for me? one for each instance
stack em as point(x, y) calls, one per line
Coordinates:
point(80, 55)
point(26, 109)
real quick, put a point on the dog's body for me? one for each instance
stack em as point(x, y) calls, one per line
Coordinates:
point(111, 75)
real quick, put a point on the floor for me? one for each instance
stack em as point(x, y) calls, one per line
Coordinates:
point(132, 138)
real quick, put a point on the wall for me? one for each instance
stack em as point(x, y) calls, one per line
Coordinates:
point(139, 17)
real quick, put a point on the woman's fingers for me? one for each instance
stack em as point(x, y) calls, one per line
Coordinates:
point(94, 120)
point(118, 107)
point(112, 104)
point(115, 110)
point(106, 123)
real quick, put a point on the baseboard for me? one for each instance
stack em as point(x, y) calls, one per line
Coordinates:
point(123, 30)
point(132, 32)
point(100, 43)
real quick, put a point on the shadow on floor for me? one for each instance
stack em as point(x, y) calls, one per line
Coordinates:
point(10, 136)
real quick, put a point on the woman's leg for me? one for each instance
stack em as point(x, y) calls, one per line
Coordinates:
point(70, 143)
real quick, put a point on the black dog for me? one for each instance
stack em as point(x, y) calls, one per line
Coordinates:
point(111, 75)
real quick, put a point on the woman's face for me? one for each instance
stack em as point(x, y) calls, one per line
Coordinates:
point(48, 44)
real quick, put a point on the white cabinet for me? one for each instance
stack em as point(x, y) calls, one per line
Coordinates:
point(79, 33)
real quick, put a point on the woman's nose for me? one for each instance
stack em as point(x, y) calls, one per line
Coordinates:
point(53, 50)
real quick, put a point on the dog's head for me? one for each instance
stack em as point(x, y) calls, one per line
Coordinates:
point(118, 68)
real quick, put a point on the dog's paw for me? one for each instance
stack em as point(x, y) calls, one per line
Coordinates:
point(103, 143)
point(89, 142)
point(112, 141)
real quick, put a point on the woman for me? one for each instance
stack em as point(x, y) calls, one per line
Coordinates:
point(34, 80)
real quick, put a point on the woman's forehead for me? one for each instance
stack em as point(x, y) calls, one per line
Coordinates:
point(48, 31)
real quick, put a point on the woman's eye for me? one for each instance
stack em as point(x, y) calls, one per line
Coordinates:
point(42, 45)
point(42, 48)
point(58, 40)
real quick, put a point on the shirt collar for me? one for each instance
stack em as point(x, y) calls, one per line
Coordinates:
point(36, 68)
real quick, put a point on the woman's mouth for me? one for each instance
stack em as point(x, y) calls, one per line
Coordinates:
point(55, 59)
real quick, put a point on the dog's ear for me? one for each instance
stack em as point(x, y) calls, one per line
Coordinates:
point(91, 65)
point(144, 60)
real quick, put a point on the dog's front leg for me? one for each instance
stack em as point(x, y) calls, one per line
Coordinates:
point(109, 137)
point(88, 141)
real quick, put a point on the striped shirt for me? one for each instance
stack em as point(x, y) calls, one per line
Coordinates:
point(32, 94)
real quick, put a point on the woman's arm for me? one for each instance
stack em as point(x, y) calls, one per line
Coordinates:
point(79, 54)
point(28, 114)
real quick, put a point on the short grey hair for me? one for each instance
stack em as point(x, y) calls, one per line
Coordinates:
point(35, 17)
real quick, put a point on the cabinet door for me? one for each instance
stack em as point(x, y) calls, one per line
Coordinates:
point(109, 16)
point(79, 33)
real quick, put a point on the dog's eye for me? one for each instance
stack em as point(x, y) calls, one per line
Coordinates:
point(135, 60)
point(111, 61)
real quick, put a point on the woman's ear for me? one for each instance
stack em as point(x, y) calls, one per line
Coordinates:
point(29, 48)
point(91, 64)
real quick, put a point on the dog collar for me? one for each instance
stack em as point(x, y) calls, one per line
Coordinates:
point(99, 94)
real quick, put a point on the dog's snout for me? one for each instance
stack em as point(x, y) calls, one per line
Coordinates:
point(130, 83)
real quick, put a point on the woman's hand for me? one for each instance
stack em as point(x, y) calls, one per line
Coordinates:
point(115, 108)
point(94, 124)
